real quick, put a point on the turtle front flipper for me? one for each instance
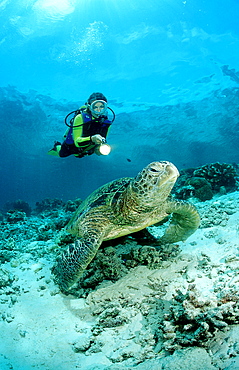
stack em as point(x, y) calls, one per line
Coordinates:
point(185, 221)
point(73, 262)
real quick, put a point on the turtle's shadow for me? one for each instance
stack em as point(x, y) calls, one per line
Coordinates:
point(142, 237)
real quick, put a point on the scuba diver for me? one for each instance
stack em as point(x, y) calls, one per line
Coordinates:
point(87, 130)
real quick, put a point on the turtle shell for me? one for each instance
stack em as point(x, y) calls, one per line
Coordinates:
point(106, 195)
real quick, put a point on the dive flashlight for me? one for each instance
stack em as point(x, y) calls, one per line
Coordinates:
point(103, 149)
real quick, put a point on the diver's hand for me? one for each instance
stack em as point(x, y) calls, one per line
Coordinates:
point(97, 139)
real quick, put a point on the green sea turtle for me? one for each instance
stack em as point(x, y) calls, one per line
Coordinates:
point(122, 207)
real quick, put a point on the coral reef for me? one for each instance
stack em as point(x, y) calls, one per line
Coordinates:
point(111, 263)
point(57, 204)
point(218, 174)
point(48, 205)
point(217, 213)
point(138, 305)
point(194, 321)
point(205, 181)
point(6, 278)
point(13, 216)
point(18, 205)
point(184, 192)
point(202, 188)
point(71, 205)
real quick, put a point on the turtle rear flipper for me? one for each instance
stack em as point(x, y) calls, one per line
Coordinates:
point(73, 262)
point(184, 223)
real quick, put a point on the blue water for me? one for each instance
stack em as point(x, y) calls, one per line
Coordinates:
point(144, 56)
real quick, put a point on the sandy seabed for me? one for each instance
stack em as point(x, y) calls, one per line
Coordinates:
point(183, 315)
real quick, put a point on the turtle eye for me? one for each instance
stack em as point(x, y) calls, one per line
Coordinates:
point(153, 169)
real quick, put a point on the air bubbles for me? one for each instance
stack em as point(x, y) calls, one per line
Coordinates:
point(83, 45)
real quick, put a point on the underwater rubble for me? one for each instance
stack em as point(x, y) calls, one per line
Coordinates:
point(136, 307)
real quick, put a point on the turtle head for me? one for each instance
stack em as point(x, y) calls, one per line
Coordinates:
point(156, 180)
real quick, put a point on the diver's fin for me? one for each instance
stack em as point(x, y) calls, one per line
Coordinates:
point(55, 150)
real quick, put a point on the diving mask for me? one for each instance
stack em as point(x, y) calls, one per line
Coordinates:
point(98, 108)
